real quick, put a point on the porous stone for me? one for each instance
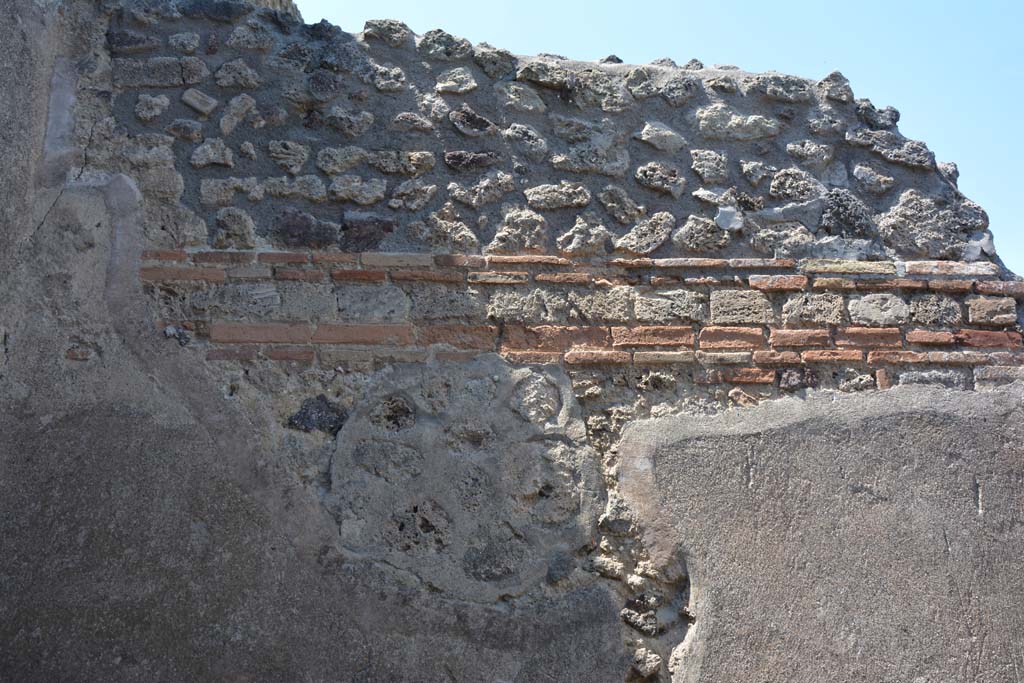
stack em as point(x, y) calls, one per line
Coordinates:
point(471, 124)
point(836, 87)
point(935, 310)
point(390, 31)
point(521, 231)
point(732, 306)
point(711, 166)
point(520, 97)
point(700, 234)
point(458, 81)
point(671, 306)
point(647, 235)
point(235, 112)
point(350, 123)
point(495, 62)
point(795, 184)
point(527, 140)
point(992, 310)
point(213, 152)
point(931, 227)
point(289, 156)
point(237, 74)
point(871, 180)
point(557, 196)
point(235, 229)
point(661, 137)
point(882, 310)
point(443, 46)
point(444, 230)
point(587, 237)
point(150, 107)
point(814, 309)
point(718, 122)
point(412, 195)
point(338, 160)
point(813, 154)
point(490, 188)
point(352, 188)
point(662, 178)
point(617, 202)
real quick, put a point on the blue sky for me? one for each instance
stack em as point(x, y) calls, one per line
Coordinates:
point(953, 69)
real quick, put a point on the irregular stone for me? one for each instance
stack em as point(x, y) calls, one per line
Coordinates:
point(251, 36)
point(719, 122)
point(845, 214)
point(289, 156)
point(661, 137)
point(527, 140)
point(471, 124)
point(699, 234)
point(490, 188)
point(221, 191)
point(561, 196)
point(402, 163)
point(394, 33)
point(932, 227)
point(645, 662)
point(782, 88)
point(620, 206)
point(495, 62)
point(364, 231)
point(186, 129)
point(458, 80)
point(782, 240)
point(227, 11)
point(877, 119)
point(893, 147)
point(324, 85)
point(814, 309)
point(520, 97)
point(662, 178)
point(387, 78)
point(235, 229)
point(156, 72)
point(193, 70)
point(677, 90)
point(882, 310)
point(991, 310)
point(237, 74)
point(443, 46)
point(372, 303)
point(587, 237)
point(295, 228)
point(640, 83)
point(337, 160)
point(536, 306)
point(813, 154)
point(597, 88)
point(445, 231)
point(545, 74)
point(595, 147)
point(412, 195)
point(951, 379)
point(130, 42)
point(308, 187)
point(350, 123)
point(936, 310)
point(711, 166)
point(213, 152)
point(149, 107)
point(756, 171)
point(740, 306)
point(836, 87)
point(871, 180)
point(411, 121)
point(318, 414)
point(235, 112)
point(461, 160)
point(351, 188)
point(671, 306)
point(793, 183)
point(795, 379)
point(601, 306)
point(201, 102)
point(647, 235)
point(521, 231)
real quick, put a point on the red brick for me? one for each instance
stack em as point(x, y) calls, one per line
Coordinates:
point(1013, 288)
point(299, 275)
point(731, 338)
point(762, 263)
point(564, 278)
point(953, 286)
point(746, 375)
point(869, 336)
point(631, 263)
point(334, 257)
point(544, 259)
point(691, 263)
point(304, 354)
point(663, 281)
point(353, 275)
point(988, 338)
point(615, 281)
point(427, 276)
point(531, 357)
point(715, 281)
point(887, 284)
point(168, 274)
point(237, 353)
point(883, 378)
point(554, 337)
point(381, 259)
point(798, 337)
point(654, 335)
point(777, 358)
point(778, 283)
point(164, 255)
point(832, 356)
point(256, 333)
point(930, 337)
point(283, 257)
point(584, 356)
point(951, 268)
point(363, 334)
point(460, 336)
point(496, 278)
point(896, 357)
point(223, 257)
point(838, 284)
point(460, 260)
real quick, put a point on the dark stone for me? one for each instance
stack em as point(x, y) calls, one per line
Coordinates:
point(298, 53)
point(611, 59)
point(644, 622)
point(285, 22)
point(217, 10)
point(324, 85)
point(186, 129)
point(795, 379)
point(324, 30)
point(318, 414)
point(877, 119)
point(294, 228)
point(560, 567)
point(130, 42)
point(749, 202)
point(845, 214)
point(345, 57)
point(362, 231)
point(471, 123)
point(471, 161)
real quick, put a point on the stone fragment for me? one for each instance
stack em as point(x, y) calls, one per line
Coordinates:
point(677, 90)
point(201, 102)
point(640, 83)
point(871, 180)
point(814, 309)
point(700, 234)
point(951, 379)
point(813, 154)
point(671, 306)
point(836, 87)
point(756, 171)
point(932, 227)
point(587, 237)
point(364, 231)
point(458, 80)
point(289, 156)
point(782, 88)
point(295, 228)
point(521, 231)
point(235, 112)
point(443, 46)
point(719, 122)
point(661, 177)
point(879, 310)
point(156, 72)
point(992, 310)
point(490, 188)
point(149, 107)
point(561, 196)
point(795, 184)
point(351, 188)
point(350, 123)
point(520, 97)
point(186, 129)
point(445, 231)
point(594, 147)
point(461, 160)
point(387, 78)
point(186, 43)
point(740, 306)
point(394, 33)
point(308, 187)
point(711, 166)
point(597, 88)
point(235, 229)
point(647, 235)
point(544, 73)
point(935, 310)
point(495, 62)
point(213, 152)
point(324, 85)
point(646, 663)
point(410, 121)
point(845, 214)
point(471, 124)
point(318, 414)
point(877, 119)
point(661, 137)
point(251, 36)
point(221, 191)
point(620, 206)
point(893, 147)
point(412, 195)
point(403, 163)
point(795, 379)
point(527, 140)
point(193, 70)
point(601, 306)
point(247, 150)
point(130, 42)
point(337, 160)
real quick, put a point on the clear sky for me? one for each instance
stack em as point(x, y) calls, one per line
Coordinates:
point(953, 69)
